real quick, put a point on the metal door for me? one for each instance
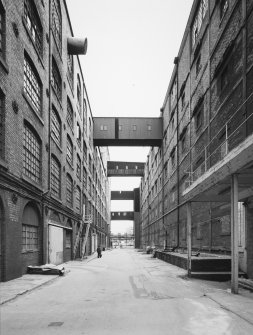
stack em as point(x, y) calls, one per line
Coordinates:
point(55, 244)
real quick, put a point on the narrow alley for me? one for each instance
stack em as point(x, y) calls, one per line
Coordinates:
point(127, 292)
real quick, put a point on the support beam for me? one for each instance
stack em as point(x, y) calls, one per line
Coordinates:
point(189, 237)
point(234, 234)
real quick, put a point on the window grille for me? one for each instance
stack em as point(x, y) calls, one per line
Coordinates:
point(79, 135)
point(33, 24)
point(56, 127)
point(31, 155)
point(84, 178)
point(32, 85)
point(70, 70)
point(84, 152)
point(55, 177)
point(2, 122)
point(30, 240)
point(198, 20)
point(223, 7)
point(78, 199)
point(2, 31)
point(57, 23)
point(56, 80)
point(78, 93)
point(69, 151)
point(69, 186)
point(78, 167)
point(70, 115)
point(84, 115)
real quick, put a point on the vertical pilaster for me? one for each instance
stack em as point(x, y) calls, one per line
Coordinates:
point(234, 233)
point(189, 237)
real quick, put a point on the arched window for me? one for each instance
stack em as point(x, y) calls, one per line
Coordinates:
point(78, 93)
point(57, 23)
point(78, 199)
point(70, 114)
point(31, 154)
point(84, 115)
point(56, 126)
point(32, 84)
point(69, 151)
point(69, 189)
point(33, 25)
point(56, 79)
point(55, 177)
point(2, 31)
point(30, 229)
point(70, 70)
point(78, 167)
point(2, 124)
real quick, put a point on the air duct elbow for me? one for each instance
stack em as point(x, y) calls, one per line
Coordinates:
point(77, 46)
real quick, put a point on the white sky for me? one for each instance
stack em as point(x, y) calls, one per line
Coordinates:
point(128, 65)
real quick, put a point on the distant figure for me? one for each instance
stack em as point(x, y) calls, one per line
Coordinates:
point(99, 252)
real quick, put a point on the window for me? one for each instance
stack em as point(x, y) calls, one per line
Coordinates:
point(223, 8)
point(134, 127)
point(68, 239)
point(55, 126)
point(2, 31)
point(78, 93)
point(57, 23)
point(69, 151)
point(33, 24)
point(69, 193)
point(30, 240)
point(78, 167)
point(79, 135)
point(84, 178)
point(198, 119)
point(183, 100)
point(56, 80)
point(224, 79)
point(84, 152)
point(78, 198)
point(70, 114)
point(173, 92)
point(32, 85)
point(2, 122)
point(55, 177)
point(70, 72)
point(183, 142)
point(103, 127)
point(120, 127)
point(198, 65)
point(149, 127)
point(198, 20)
point(85, 115)
point(173, 160)
point(31, 154)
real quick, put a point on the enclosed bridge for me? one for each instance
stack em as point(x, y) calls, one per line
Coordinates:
point(127, 131)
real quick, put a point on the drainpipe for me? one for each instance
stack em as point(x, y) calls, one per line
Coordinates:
point(176, 60)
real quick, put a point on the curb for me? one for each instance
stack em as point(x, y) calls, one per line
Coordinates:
point(28, 290)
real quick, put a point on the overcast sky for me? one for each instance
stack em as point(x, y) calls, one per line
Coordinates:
point(128, 65)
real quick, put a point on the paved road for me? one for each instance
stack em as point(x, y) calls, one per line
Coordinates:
point(125, 292)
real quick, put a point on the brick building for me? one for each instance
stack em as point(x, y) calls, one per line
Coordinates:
point(51, 175)
point(206, 158)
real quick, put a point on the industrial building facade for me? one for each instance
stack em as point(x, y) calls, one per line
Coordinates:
point(207, 137)
point(51, 175)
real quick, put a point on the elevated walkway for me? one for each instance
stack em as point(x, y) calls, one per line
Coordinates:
point(125, 169)
point(125, 131)
point(122, 216)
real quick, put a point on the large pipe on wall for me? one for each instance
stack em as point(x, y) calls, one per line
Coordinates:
point(77, 46)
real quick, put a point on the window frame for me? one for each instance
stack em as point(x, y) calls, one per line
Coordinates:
point(33, 25)
point(56, 80)
point(69, 190)
point(31, 91)
point(56, 133)
point(69, 153)
point(57, 26)
point(2, 31)
point(30, 230)
point(32, 154)
point(70, 115)
point(55, 178)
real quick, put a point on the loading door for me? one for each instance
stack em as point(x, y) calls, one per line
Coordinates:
point(55, 245)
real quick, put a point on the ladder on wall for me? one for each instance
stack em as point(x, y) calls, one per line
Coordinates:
point(86, 235)
point(86, 219)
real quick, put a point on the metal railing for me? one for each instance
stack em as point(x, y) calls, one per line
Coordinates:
point(210, 156)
